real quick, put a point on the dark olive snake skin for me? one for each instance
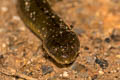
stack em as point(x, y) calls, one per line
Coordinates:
point(59, 41)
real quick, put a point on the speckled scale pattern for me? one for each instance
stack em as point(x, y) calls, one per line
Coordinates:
point(59, 41)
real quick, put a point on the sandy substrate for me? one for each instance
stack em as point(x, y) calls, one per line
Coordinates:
point(97, 23)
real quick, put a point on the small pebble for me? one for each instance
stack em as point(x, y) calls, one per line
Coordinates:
point(102, 63)
point(98, 40)
point(86, 48)
point(1, 56)
point(80, 70)
point(2, 30)
point(22, 28)
point(4, 9)
point(114, 71)
point(16, 18)
point(101, 72)
point(107, 40)
point(78, 67)
point(46, 69)
point(90, 59)
point(3, 45)
point(118, 56)
point(94, 77)
point(65, 74)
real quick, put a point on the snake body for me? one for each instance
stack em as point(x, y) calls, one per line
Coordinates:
point(59, 41)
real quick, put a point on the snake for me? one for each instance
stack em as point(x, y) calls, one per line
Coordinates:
point(60, 42)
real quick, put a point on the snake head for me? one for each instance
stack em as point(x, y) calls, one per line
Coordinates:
point(63, 46)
